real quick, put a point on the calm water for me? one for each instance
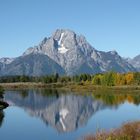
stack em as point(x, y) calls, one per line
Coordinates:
point(52, 115)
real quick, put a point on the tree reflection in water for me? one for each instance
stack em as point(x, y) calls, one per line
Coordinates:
point(116, 97)
point(1, 117)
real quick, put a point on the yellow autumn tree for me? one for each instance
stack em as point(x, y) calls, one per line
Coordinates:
point(120, 79)
point(129, 77)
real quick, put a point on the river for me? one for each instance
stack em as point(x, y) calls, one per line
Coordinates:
point(55, 115)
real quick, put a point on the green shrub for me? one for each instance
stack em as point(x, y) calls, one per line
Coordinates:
point(1, 90)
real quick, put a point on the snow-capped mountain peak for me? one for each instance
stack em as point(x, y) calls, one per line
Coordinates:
point(71, 54)
point(62, 49)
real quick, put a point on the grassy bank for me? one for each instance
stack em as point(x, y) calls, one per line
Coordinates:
point(66, 86)
point(29, 85)
point(129, 131)
point(90, 87)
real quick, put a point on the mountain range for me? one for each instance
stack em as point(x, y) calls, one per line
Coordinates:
point(66, 53)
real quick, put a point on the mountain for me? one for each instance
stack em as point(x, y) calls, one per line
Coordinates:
point(69, 52)
point(135, 62)
point(33, 64)
point(6, 60)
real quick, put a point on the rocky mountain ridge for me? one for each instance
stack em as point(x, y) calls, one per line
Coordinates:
point(68, 52)
point(135, 62)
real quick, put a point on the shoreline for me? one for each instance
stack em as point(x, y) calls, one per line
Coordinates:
point(66, 86)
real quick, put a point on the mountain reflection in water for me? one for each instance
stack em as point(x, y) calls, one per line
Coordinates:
point(66, 112)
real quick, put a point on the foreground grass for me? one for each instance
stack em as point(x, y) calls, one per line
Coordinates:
point(129, 131)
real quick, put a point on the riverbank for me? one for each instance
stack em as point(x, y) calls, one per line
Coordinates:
point(66, 86)
point(3, 105)
point(25, 85)
point(129, 131)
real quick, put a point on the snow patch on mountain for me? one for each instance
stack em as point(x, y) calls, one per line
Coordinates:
point(62, 49)
point(60, 40)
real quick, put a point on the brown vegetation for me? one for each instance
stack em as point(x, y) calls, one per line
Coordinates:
point(129, 131)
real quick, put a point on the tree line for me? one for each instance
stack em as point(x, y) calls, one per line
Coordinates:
point(105, 79)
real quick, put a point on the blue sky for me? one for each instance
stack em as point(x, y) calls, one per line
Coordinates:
point(107, 24)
